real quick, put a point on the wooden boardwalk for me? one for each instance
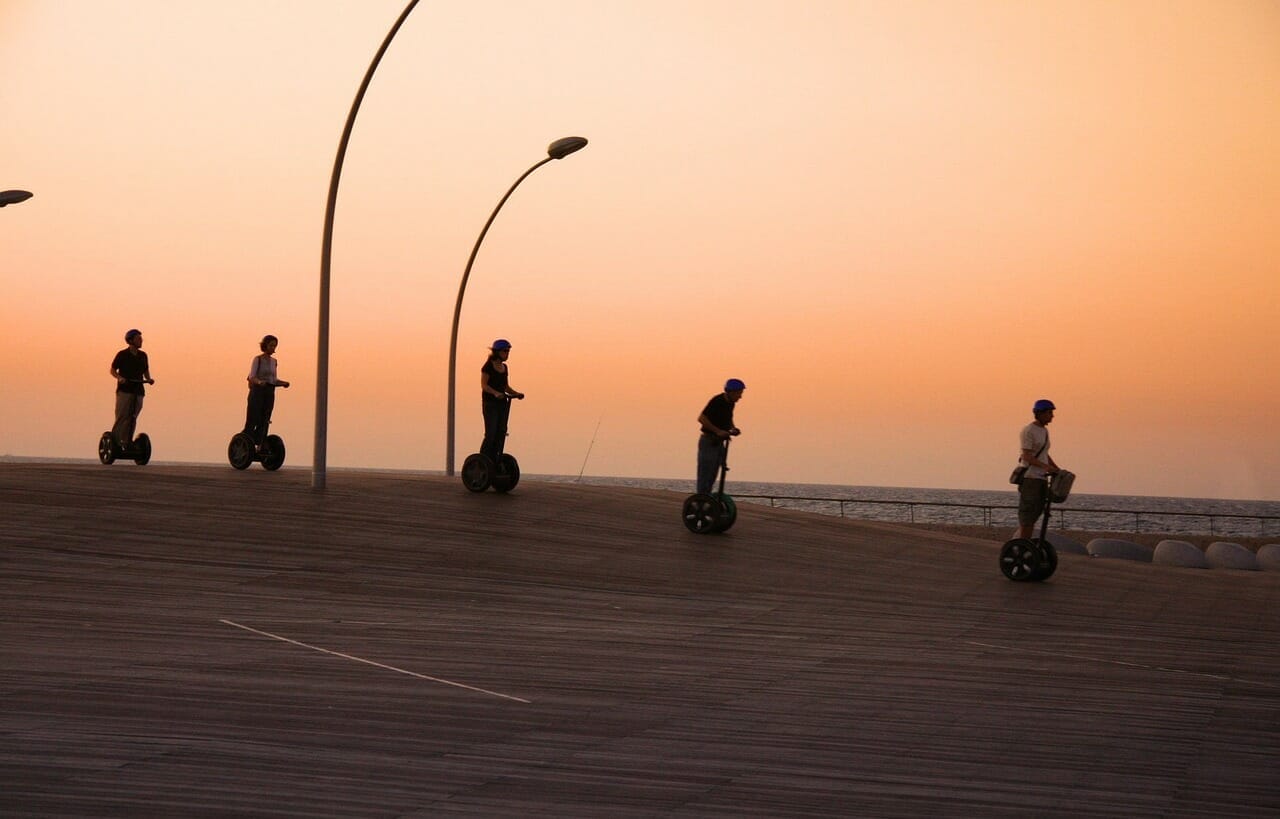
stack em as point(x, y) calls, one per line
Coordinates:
point(193, 641)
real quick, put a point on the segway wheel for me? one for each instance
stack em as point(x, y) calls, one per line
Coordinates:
point(106, 449)
point(508, 474)
point(702, 514)
point(142, 449)
point(1049, 565)
point(240, 451)
point(477, 472)
point(730, 514)
point(273, 453)
point(1021, 560)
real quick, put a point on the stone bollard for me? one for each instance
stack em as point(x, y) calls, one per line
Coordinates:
point(1179, 553)
point(1120, 549)
point(1223, 555)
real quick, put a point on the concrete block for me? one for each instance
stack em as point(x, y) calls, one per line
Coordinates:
point(1120, 549)
point(1066, 545)
point(1179, 553)
point(1223, 555)
point(1269, 557)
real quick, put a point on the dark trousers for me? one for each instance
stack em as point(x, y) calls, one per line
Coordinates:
point(710, 457)
point(262, 400)
point(496, 414)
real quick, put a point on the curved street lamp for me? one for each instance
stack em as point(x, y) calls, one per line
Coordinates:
point(14, 197)
point(326, 251)
point(556, 150)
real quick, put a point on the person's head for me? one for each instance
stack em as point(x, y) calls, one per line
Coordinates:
point(500, 348)
point(733, 389)
point(268, 344)
point(133, 338)
point(1043, 410)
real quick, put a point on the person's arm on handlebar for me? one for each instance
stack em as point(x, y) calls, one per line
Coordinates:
point(715, 430)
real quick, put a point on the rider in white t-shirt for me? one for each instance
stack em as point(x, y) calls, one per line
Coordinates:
point(262, 390)
point(1034, 489)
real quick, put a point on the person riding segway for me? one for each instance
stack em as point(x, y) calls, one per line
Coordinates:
point(132, 370)
point(1041, 482)
point(491, 466)
point(253, 443)
point(703, 511)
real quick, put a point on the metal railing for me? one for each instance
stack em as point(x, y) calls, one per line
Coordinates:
point(1266, 524)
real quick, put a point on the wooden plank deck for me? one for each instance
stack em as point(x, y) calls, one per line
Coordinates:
point(193, 641)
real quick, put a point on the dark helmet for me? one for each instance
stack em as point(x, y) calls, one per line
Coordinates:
point(500, 344)
point(134, 332)
point(733, 385)
point(1042, 405)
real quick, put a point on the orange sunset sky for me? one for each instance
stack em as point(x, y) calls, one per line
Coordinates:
point(899, 222)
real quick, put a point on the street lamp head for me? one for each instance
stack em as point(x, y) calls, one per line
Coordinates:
point(565, 146)
point(14, 197)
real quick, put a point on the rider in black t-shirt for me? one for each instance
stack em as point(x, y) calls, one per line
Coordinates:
point(495, 399)
point(131, 370)
point(716, 421)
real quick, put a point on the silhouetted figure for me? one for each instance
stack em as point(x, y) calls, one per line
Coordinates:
point(262, 390)
point(495, 399)
point(131, 370)
point(716, 421)
point(1034, 488)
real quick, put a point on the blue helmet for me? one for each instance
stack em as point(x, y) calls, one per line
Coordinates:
point(1042, 405)
point(132, 333)
point(733, 385)
point(500, 344)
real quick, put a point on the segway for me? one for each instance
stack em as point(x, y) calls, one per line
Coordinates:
point(244, 450)
point(1035, 559)
point(479, 472)
point(704, 514)
point(138, 450)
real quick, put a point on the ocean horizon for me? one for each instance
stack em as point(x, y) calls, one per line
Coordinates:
point(889, 504)
point(979, 507)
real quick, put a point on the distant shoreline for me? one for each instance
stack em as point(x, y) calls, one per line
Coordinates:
point(994, 534)
point(678, 484)
point(1001, 534)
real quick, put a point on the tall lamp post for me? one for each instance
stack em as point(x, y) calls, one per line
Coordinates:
point(326, 249)
point(13, 197)
point(556, 150)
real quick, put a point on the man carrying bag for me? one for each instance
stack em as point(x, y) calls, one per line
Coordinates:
point(1034, 468)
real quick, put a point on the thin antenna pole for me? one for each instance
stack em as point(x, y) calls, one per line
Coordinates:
point(588, 455)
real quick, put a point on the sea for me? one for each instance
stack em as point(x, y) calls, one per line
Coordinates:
point(1081, 512)
point(972, 507)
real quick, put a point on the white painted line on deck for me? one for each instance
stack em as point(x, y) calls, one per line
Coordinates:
point(375, 664)
point(1165, 669)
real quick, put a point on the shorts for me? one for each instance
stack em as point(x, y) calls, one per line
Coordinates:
point(1032, 494)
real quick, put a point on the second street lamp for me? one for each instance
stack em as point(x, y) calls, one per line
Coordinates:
point(556, 150)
